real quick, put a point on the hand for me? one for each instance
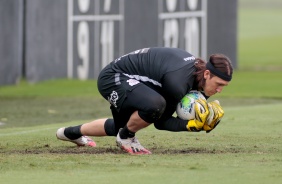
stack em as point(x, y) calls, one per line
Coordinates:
point(194, 125)
point(201, 115)
point(217, 112)
point(201, 110)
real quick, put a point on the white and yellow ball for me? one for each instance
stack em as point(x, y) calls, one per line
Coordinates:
point(186, 107)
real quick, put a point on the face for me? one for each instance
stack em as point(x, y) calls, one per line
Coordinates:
point(213, 85)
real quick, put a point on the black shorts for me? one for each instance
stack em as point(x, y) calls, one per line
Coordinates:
point(127, 95)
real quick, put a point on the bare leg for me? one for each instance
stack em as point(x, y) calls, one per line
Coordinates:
point(94, 128)
point(135, 122)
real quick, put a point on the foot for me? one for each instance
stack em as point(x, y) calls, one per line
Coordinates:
point(131, 146)
point(82, 141)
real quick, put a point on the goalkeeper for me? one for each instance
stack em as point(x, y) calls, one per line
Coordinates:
point(144, 87)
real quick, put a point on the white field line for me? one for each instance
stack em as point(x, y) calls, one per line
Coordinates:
point(25, 132)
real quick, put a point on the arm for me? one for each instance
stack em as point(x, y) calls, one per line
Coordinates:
point(170, 123)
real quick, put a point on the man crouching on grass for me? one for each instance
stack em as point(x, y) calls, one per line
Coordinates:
point(144, 87)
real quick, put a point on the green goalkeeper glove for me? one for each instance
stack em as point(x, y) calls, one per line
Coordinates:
point(217, 112)
point(201, 115)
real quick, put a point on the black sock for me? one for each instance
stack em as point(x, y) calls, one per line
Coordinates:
point(73, 132)
point(125, 133)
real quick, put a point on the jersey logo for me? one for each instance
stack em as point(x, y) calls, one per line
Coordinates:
point(113, 98)
point(132, 82)
point(145, 50)
point(189, 58)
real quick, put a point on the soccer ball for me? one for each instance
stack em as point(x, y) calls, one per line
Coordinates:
point(186, 107)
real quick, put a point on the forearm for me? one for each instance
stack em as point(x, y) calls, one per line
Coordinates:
point(171, 124)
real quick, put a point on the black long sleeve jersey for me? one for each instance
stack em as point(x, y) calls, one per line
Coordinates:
point(169, 71)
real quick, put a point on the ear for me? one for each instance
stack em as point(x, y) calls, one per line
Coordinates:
point(206, 74)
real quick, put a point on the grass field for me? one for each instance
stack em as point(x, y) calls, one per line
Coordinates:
point(244, 148)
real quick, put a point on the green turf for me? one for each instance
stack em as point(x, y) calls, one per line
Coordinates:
point(35, 104)
point(260, 40)
point(254, 85)
point(260, 35)
point(52, 88)
point(244, 148)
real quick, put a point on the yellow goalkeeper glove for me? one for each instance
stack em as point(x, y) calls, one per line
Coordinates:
point(194, 125)
point(217, 112)
point(201, 115)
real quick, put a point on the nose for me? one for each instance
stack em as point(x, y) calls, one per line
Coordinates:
point(219, 89)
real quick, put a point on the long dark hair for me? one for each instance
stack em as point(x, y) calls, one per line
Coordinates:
point(199, 73)
point(219, 61)
point(222, 63)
